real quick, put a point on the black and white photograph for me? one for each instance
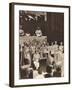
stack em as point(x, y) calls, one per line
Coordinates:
point(41, 44)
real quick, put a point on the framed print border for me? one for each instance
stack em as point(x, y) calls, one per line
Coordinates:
point(12, 43)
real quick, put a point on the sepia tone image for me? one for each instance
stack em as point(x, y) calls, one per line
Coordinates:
point(41, 44)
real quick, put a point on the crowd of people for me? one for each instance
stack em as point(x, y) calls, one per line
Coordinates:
point(41, 60)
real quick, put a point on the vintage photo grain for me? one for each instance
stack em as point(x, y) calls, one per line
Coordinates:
point(41, 44)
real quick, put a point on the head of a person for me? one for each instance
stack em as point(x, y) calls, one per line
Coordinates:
point(38, 32)
point(27, 34)
point(21, 32)
point(55, 42)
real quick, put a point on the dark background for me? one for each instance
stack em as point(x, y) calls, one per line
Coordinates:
point(53, 28)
